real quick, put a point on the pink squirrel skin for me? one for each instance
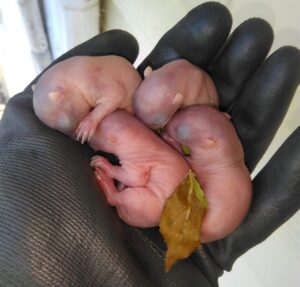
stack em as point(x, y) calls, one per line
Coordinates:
point(83, 91)
point(173, 86)
point(150, 169)
point(217, 159)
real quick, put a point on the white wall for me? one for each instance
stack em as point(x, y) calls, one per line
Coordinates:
point(70, 22)
point(23, 46)
point(15, 52)
point(275, 262)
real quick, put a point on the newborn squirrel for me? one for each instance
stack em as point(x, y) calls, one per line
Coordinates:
point(74, 95)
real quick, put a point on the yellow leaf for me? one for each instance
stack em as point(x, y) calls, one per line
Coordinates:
point(181, 220)
point(186, 150)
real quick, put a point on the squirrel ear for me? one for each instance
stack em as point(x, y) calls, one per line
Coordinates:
point(147, 71)
point(177, 99)
point(56, 96)
point(207, 142)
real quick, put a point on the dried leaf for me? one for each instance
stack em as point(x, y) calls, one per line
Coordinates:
point(186, 150)
point(181, 220)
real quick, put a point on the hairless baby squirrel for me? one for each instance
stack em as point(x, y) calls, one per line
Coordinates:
point(74, 95)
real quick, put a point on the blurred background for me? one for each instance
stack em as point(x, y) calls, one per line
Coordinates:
point(34, 32)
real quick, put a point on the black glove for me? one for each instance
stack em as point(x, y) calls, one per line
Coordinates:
point(56, 227)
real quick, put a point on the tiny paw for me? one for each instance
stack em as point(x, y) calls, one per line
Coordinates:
point(105, 183)
point(98, 161)
point(86, 129)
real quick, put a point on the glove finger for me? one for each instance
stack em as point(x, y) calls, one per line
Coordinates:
point(265, 99)
point(276, 198)
point(243, 53)
point(197, 37)
point(113, 42)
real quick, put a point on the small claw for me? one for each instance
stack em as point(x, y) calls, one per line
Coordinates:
point(84, 132)
point(89, 137)
point(94, 161)
point(83, 139)
point(78, 136)
point(94, 157)
point(79, 133)
point(91, 133)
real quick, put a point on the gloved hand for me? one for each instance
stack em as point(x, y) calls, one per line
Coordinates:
point(56, 227)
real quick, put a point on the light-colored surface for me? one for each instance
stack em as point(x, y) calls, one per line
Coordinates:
point(1, 110)
point(15, 53)
point(33, 23)
point(23, 46)
point(275, 262)
point(70, 23)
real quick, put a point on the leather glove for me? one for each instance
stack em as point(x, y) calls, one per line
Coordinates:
point(56, 227)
